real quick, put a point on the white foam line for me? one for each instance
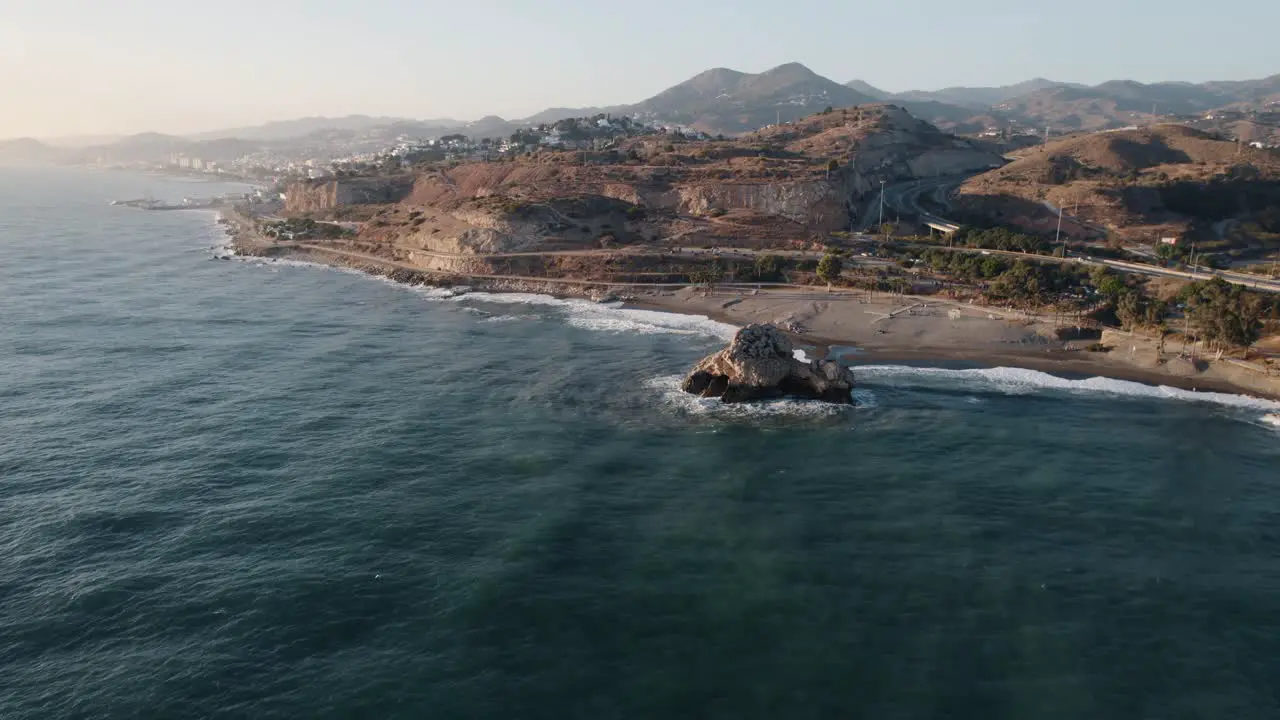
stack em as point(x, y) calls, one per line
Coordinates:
point(604, 317)
point(668, 389)
point(612, 317)
point(1015, 381)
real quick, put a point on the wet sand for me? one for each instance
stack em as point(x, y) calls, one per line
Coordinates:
point(918, 329)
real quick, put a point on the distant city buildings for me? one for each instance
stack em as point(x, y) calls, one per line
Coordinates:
point(325, 155)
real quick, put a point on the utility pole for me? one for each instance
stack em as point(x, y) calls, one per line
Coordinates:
point(1057, 238)
point(881, 203)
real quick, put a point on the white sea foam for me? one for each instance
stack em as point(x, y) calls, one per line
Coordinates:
point(668, 389)
point(800, 355)
point(1273, 420)
point(865, 399)
point(508, 318)
point(1020, 381)
point(612, 317)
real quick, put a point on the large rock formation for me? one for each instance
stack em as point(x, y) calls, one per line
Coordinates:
point(317, 195)
point(759, 364)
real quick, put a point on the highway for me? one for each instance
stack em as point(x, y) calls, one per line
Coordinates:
point(905, 198)
point(749, 255)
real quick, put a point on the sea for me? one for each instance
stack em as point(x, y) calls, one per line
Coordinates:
point(235, 488)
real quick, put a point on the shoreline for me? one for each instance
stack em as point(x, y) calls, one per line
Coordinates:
point(985, 337)
point(998, 342)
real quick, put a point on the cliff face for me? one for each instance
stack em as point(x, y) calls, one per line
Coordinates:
point(318, 195)
point(818, 204)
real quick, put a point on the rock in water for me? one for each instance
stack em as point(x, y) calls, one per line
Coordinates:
point(759, 364)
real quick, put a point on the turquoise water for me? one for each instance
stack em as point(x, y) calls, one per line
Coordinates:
point(246, 490)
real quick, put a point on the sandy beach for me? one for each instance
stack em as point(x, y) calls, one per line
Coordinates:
point(883, 328)
point(893, 328)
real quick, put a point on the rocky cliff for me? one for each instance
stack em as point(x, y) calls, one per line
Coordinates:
point(319, 195)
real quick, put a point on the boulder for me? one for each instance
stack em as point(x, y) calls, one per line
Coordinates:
point(760, 364)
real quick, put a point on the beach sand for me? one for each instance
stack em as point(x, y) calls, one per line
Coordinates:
point(889, 328)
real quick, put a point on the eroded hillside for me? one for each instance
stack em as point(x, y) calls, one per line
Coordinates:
point(784, 186)
point(1136, 185)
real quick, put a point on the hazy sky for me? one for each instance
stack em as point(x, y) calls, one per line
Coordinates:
point(70, 67)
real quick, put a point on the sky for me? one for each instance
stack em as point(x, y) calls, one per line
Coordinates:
point(89, 67)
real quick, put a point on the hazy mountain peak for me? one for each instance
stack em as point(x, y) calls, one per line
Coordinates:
point(715, 76)
point(792, 70)
point(868, 89)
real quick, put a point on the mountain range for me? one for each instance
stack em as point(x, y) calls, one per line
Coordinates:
point(726, 101)
point(1072, 106)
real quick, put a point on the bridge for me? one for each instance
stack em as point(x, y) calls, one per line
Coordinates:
point(936, 223)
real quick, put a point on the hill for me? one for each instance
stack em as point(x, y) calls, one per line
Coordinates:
point(728, 101)
point(554, 115)
point(1135, 185)
point(290, 129)
point(490, 126)
point(868, 89)
point(1118, 103)
point(787, 185)
point(27, 151)
point(1068, 106)
point(980, 98)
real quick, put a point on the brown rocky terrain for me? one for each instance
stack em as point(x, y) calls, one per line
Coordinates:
point(790, 185)
point(1135, 185)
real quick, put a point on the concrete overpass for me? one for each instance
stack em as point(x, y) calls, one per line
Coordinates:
point(942, 225)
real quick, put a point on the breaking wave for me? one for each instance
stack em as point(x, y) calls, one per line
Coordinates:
point(668, 389)
point(585, 314)
point(611, 317)
point(1019, 381)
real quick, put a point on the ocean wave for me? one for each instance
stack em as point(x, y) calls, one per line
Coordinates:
point(668, 389)
point(865, 399)
point(508, 318)
point(585, 314)
point(1273, 420)
point(612, 317)
point(1020, 381)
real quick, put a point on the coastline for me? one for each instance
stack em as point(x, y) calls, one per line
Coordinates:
point(925, 330)
point(884, 329)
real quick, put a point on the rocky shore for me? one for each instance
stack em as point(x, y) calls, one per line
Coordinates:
point(246, 242)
